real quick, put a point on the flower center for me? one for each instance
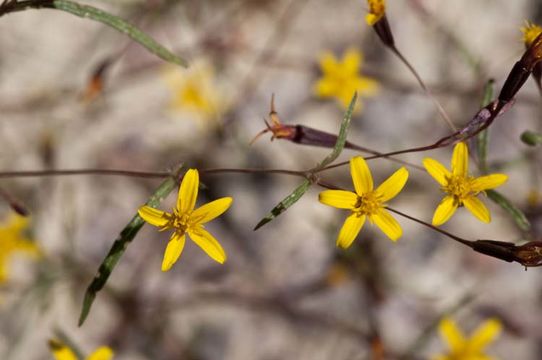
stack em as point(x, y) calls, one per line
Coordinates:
point(367, 204)
point(192, 95)
point(181, 221)
point(460, 187)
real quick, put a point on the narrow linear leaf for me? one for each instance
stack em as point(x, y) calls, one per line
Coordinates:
point(531, 138)
point(517, 215)
point(482, 140)
point(119, 247)
point(89, 12)
point(341, 139)
point(286, 203)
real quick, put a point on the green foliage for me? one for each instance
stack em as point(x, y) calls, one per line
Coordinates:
point(482, 140)
point(121, 243)
point(531, 138)
point(517, 215)
point(90, 12)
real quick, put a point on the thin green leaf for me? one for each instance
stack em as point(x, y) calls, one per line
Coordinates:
point(89, 12)
point(517, 215)
point(341, 139)
point(482, 141)
point(531, 138)
point(120, 244)
point(286, 203)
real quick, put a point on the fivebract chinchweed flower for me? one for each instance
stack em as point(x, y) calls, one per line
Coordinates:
point(195, 90)
point(530, 33)
point(461, 189)
point(341, 78)
point(366, 202)
point(13, 239)
point(187, 220)
point(63, 352)
point(463, 348)
point(377, 9)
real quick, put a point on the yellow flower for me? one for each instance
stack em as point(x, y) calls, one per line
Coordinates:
point(461, 189)
point(366, 202)
point(186, 220)
point(377, 8)
point(195, 90)
point(342, 78)
point(472, 348)
point(530, 32)
point(13, 240)
point(63, 352)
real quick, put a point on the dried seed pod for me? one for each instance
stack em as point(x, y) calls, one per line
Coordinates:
point(383, 30)
point(521, 70)
point(529, 254)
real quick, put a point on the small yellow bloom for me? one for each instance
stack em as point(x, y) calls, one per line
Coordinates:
point(63, 352)
point(462, 348)
point(461, 189)
point(194, 90)
point(186, 220)
point(366, 202)
point(13, 240)
point(342, 78)
point(530, 32)
point(377, 8)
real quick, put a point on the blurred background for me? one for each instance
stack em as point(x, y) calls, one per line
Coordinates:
point(76, 94)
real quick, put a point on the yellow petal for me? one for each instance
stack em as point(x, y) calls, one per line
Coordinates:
point(188, 192)
point(488, 182)
point(477, 208)
point(102, 353)
point(361, 175)
point(328, 63)
point(154, 216)
point(3, 272)
point(173, 76)
point(61, 351)
point(350, 230)
point(29, 247)
point(371, 19)
point(209, 244)
point(451, 334)
point(444, 211)
point(340, 199)
point(437, 171)
point(351, 62)
point(325, 87)
point(460, 160)
point(344, 98)
point(173, 250)
point(211, 210)
point(393, 185)
point(367, 86)
point(387, 224)
point(486, 333)
point(17, 223)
